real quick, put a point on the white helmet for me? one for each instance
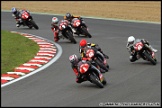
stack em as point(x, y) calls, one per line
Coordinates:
point(55, 20)
point(131, 39)
point(73, 59)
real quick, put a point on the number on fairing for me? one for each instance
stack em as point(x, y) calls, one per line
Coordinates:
point(63, 26)
point(139, 47)
point(25, 14)
point(84, 67)
point(90, 53)
point(77, 23)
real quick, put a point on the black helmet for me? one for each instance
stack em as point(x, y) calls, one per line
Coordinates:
point(68, 16)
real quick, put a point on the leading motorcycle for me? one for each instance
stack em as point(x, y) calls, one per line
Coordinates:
point(143, 51)
point(27, 20)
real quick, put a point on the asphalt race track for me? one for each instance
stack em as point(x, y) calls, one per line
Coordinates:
point(55, 86)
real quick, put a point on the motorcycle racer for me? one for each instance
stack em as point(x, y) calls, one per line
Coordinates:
point(74, 60)
point(17, 15)
point(83, 44)
point(133, 55)
point(55, 28)
point(70, 17)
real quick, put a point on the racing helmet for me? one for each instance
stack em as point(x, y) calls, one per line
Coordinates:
point(68, 16)
point(55, 20)
point(14, 10)
point(131, 39)
point(83, 43)
point(73, 59)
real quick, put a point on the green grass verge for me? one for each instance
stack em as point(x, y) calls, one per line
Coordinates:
point(16, 50)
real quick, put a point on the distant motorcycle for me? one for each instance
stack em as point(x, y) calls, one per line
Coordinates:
point(27, 20)
point(80, 28)
point(92, 74)
point(66, 31)
point(144, 52)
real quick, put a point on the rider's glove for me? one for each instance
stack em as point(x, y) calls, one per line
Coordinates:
point(106, 56)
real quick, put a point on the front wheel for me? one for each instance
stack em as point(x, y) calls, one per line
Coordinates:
point(96, 80)
point(34, 24)
point(85, 32)
point(104, 82)
point(70, 36)
point(102, 65)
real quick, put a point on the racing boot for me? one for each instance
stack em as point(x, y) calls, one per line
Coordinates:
point(56, 37)
point(17, 24)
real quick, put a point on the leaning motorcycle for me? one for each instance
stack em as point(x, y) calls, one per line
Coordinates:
point(92, 75)
point(143, 51)
point(97, 58)
point(79, 27)
point(66, 31)
point(27, 20)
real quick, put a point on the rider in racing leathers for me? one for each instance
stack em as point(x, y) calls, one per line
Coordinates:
point(133, 55)
point(74, 60)
point(55, 28)
point(84, 44)
point(17, 15)
point(70, 17)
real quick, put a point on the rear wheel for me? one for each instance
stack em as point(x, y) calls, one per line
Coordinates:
point(70, 36)
point(153, 61)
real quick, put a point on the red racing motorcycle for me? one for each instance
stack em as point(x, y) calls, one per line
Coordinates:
point(79, 27)
point(92, 74)
point(143, 51)
point(27, 20)
point(66, 31)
